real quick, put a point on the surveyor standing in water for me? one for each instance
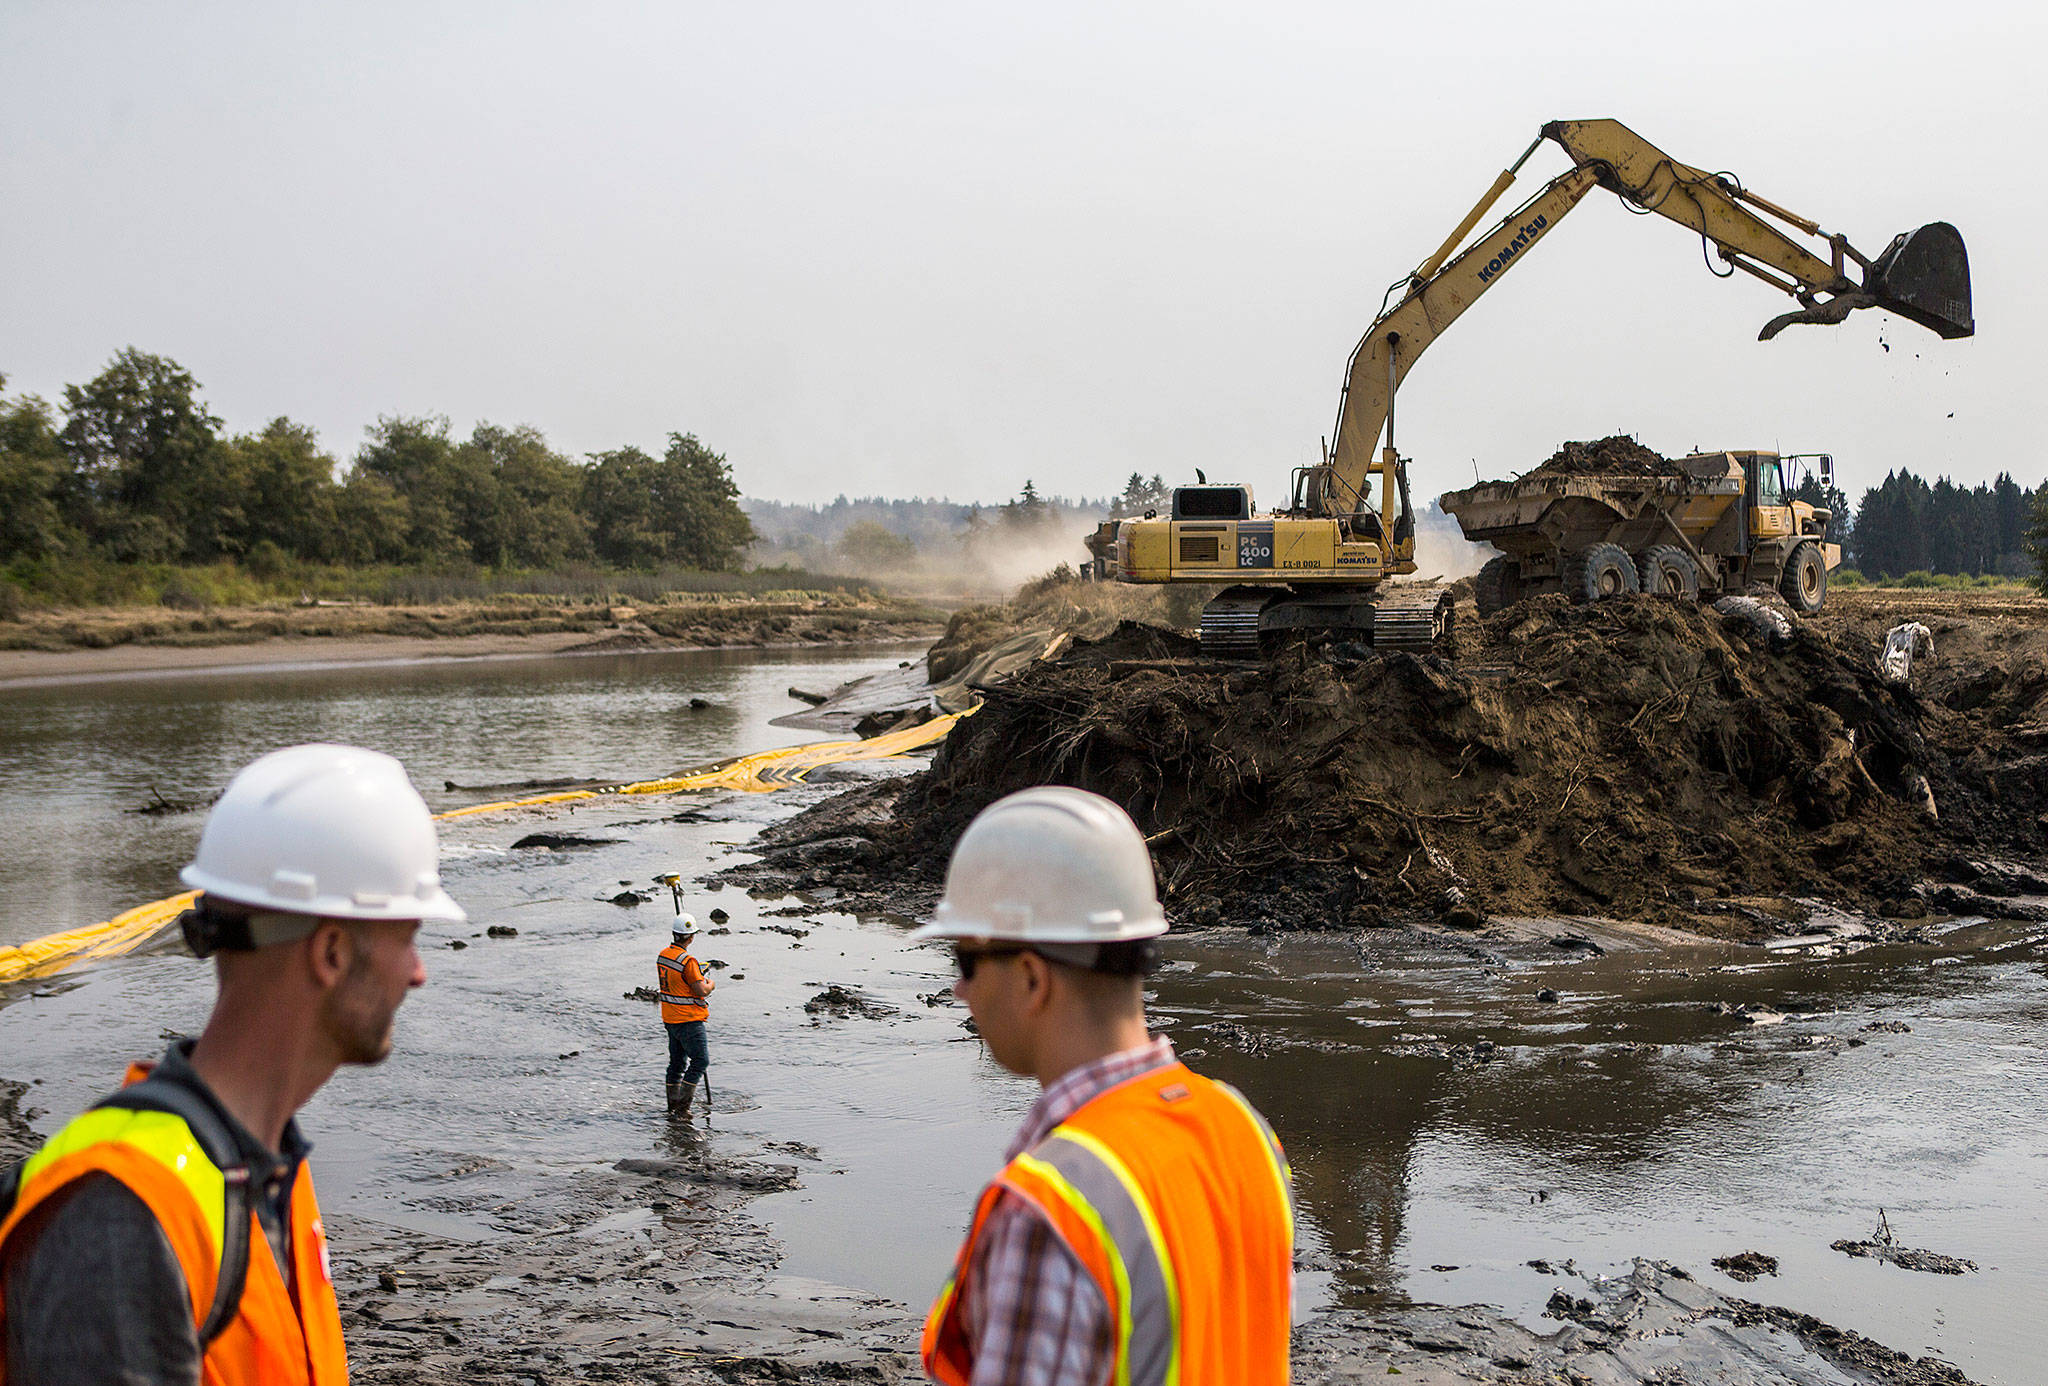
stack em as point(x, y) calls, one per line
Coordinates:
point(170, 1233)
point(684, 1010)
point(1143, 1229)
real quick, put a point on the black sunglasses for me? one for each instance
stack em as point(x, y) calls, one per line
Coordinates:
point(966, 959)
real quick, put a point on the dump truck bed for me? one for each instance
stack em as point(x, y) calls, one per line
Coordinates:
point(1552, 510)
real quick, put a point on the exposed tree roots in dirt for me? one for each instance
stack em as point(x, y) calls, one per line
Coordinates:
point(1637, 759)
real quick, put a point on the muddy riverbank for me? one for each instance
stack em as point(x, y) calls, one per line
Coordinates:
point(72, 646)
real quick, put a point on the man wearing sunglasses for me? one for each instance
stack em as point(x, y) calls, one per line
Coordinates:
point(1143, 1228)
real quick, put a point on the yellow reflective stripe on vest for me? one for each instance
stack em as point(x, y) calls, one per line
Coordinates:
point(159, 1135)
point(1283, 1172)
point(1101, 1189)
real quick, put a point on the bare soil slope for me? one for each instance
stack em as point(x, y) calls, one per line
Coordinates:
point(1637, 759)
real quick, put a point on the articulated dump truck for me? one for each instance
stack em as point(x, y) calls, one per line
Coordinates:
point(1712, 523)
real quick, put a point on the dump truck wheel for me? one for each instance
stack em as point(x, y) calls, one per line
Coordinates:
point(1804, 583)
point(1602, 571)
point(1498, 584)
point(1668, 571)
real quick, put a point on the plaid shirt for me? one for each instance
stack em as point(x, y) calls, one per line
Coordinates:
point(1032, 1313)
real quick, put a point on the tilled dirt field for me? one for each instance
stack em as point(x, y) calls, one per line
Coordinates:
point(1638, 759)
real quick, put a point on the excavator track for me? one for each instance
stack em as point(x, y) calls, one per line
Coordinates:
point(1230, 623)
point(1411, 620)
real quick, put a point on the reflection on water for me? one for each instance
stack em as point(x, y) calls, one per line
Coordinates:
point(1637, 1118)
point(74, 759)
point(1631, 1117)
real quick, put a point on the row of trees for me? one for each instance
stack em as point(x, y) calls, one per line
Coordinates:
point(1905, 525)
point(137, 470)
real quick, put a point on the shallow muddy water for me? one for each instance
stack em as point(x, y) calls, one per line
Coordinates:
point(1633, 1116)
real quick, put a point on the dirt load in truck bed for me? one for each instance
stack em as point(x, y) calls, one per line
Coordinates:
point(1619, 455)
point(1636, 759)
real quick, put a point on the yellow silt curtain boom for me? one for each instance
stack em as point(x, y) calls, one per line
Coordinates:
point(760, 773)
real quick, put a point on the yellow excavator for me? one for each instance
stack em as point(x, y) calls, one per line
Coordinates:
point(1318, 565)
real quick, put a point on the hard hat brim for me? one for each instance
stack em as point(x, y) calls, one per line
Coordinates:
point(432, 906)
point(951, 925)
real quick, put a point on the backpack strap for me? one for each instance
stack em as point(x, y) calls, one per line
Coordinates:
point(154, 1095)
point(10, 1186)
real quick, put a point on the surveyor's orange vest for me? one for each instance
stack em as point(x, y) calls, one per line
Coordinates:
point(678, 971)
point(270, 1339)
point(1174, 1196)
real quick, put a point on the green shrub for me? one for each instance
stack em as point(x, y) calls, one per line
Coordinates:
point(181, 594)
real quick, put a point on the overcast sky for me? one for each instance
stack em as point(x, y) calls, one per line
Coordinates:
point(936, 249)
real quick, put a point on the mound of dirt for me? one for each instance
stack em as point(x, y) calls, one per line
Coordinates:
point(1635, 759)
point(1619, 455)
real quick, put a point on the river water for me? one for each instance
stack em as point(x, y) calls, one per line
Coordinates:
point(1446, 1127)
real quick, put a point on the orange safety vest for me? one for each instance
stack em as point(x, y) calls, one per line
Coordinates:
point(272, 1337)
point(678, 972)
point(1175, 1197)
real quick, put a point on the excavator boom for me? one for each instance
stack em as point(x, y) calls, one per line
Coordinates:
point(1922, 275)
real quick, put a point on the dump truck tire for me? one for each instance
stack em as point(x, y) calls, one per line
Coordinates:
point(1666, 570)
point(1498, 585)
point(1602, 571)
point(1804, 583)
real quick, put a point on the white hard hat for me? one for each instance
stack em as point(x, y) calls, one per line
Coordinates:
point(334, 831)
point(686, 923)
point(1049, 865)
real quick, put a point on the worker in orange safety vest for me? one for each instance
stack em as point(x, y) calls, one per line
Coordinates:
point(1142, 1231)
point(684, 1011)
point(170, 1234)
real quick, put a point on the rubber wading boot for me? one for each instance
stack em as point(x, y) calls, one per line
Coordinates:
point(680, 1098)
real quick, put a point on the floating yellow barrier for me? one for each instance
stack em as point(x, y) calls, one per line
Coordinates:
point(123, 933)
point(754, 774)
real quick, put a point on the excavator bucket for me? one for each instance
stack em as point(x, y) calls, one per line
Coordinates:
point(1925, 275)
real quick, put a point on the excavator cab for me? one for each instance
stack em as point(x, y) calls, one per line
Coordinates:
point(1925, 275)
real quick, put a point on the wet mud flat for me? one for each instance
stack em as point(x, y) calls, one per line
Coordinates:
point(1637, 759)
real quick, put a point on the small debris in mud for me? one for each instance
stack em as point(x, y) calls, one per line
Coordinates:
point(845, 1001)
point(937, 998)
point(1576, 942)
point(787, 929)
point(457, 943)
point(159, 806)
point(630, 898)
point(796, 1148)
point(502, 931)
point(1749, 1013)
point(718, 916)
point(559, 842)
point(641, 994)
point(724, 1174)
point(1889, 1027)
point(1546, 994)
point(1746, 1265)
point(700, 704)
point(1569, 1307)
point(387, 1281)
point(1884, 1246)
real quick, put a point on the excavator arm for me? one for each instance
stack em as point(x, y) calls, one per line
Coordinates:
point(1922, 275)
